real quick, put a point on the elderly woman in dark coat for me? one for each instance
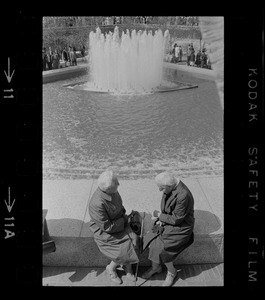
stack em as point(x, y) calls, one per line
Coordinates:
point(109, 224)
point(177, 222)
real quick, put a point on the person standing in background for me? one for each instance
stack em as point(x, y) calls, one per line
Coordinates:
point(198, 59)
point(83, 49)
point(177, 53)
point(65, 57)
point(49, 58)
point(192, 56)
point(44, 59)
point(69, 55)
point(180, 53)
point(188, 54)
point(173, 59)
point(203, 59)
point(74, 61)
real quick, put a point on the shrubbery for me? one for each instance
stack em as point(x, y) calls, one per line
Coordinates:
point(78, 36)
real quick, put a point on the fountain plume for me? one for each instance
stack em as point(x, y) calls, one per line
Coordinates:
point(130, 63)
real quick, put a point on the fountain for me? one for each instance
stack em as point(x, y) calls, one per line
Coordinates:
point(114, 114)
point(128, 64)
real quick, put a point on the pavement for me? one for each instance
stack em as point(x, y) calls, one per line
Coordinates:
point(187, 276)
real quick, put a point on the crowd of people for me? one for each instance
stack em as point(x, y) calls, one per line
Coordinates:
point(61, 56)
point(176, 53)
point(200, 59)
point(187, 21)
point(67, 56)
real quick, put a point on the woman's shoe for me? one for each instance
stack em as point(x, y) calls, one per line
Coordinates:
point(130, 276)
point(149, 273)
point(129, 273)
point(169, 279)
point(113, 275)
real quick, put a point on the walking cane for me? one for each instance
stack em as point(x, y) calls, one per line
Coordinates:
point(141, 238)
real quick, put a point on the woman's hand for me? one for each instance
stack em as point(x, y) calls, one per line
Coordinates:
point(159, 223)
point(156, 213)
point(125, 217)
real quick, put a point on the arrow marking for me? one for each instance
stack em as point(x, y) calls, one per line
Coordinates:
point(9, 207)
point(8, 77)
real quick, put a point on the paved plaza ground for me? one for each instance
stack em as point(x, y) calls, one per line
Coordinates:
point(188, 275)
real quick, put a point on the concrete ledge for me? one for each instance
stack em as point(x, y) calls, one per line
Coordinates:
point(73, 71)
point(64, 73)
point(83, 252)
point(184, 70)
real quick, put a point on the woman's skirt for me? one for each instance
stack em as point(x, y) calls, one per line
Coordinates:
point(120, 247)
point(166, 249)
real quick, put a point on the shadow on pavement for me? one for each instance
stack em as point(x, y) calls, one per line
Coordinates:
point(79, 273)
point(192, 271)
point(206, 222)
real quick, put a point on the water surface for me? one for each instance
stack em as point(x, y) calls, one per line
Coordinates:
point(84, 133)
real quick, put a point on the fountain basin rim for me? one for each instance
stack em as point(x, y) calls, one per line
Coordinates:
point(160, 89)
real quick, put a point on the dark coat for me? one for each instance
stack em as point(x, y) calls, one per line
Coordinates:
point(65, 55)
point(192, 55)
point(114, 238)
point(177, 215)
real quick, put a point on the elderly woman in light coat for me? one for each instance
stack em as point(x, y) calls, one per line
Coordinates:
point(176, 221)
point(109, 224)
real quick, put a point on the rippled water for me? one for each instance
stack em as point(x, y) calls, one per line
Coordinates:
point(84, 133)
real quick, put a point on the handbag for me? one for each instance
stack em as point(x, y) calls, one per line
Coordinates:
point(134, 220)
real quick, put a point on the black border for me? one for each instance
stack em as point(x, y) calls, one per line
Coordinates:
point(22, 149)
point(21, 130)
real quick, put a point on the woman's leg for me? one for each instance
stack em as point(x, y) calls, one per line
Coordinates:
point(113, 266)
point(111, 269)
point(170, 267)
point(156, 268)
point(129, 272)
point(128, 268)
point(171, 274)
point(155, 265)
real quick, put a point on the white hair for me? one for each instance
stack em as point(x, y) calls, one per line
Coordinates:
point(166, 178)
point(106, 180)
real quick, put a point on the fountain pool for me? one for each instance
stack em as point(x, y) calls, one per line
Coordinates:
point(139, 135)
point(128, 64)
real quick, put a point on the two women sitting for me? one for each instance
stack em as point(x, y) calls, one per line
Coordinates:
point(116, 239)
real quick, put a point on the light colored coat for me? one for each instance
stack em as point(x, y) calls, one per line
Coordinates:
point(114, 238)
